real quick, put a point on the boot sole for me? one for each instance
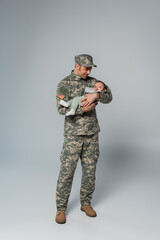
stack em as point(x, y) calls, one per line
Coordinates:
point(60, 222)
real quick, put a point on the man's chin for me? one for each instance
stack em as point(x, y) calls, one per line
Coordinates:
point(84, 77)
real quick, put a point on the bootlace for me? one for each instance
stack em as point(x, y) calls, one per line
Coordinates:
point(60, 212)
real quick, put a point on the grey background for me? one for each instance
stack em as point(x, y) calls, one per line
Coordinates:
point(39, 40)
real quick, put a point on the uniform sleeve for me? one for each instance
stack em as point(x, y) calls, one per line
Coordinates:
point(63, 93)
point(105, 95)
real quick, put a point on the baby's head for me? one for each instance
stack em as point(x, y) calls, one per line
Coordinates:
point(99, 86)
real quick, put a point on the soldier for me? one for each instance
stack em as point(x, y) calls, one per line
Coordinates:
point(80, 136)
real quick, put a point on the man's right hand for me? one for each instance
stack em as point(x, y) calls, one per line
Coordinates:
point(90, 107)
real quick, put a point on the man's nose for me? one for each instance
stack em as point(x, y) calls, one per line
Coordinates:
point(88, 71)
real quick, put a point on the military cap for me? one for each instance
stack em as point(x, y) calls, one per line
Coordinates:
point(84, 60)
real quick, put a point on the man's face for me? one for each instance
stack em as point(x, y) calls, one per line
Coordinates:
point(83, 71)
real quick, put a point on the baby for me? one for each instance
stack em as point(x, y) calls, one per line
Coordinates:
point(75, 102)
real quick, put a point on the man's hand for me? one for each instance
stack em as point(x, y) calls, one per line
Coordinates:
point(89, 99)
point(90, 107)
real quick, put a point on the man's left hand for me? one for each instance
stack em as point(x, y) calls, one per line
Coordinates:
point(90, 98)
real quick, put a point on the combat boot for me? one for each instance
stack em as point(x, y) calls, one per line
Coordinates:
point(60, 217)
point(89, 210)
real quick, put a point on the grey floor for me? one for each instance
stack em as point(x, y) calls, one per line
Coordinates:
point(127, 198)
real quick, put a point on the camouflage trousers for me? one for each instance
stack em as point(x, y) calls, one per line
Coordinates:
point(87, 149)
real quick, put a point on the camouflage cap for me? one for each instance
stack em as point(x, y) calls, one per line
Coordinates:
point(85, 60)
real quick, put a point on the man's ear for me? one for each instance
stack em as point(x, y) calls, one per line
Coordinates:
point(77, 66)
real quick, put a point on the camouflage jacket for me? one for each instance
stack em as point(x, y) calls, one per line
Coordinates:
point(83, 123)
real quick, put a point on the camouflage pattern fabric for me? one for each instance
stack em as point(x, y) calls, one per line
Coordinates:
point(81, 140)
point(85, 60)
point(87, 148)
point(82, 123)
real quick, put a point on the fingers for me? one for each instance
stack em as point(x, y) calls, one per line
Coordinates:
point(84, 99)
point(86, 103)
point(94, 104)
point(90, 107)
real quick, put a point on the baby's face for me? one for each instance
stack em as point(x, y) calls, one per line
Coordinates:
point(99, 86)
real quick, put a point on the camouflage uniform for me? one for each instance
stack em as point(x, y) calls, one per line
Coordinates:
point(81, 140)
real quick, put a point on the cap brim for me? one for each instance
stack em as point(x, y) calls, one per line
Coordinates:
point(89, 65)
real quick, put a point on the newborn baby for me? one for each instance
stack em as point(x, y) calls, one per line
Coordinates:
point(75, 102)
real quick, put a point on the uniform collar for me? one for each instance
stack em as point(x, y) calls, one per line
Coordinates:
point(74, 76)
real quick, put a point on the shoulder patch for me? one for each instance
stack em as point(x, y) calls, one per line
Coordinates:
point(63, 90)
point(60, 95)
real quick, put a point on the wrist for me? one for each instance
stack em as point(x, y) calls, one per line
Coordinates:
point(98, 96)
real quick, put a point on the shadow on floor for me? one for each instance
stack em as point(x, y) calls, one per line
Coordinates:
point(116, 165)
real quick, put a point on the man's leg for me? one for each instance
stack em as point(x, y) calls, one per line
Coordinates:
point(69, 157)
point(89, 158)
